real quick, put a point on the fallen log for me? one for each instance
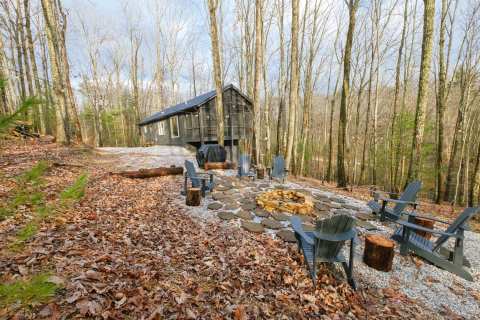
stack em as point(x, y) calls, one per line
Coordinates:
point(219, 165)
point(150, 173)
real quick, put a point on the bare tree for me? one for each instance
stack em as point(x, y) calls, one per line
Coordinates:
point(294, 76)
point(417, 138)
point(342, 124)
point(217, 70)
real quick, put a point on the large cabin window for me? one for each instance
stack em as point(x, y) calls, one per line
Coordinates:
point(174, 132)
point(161, 128)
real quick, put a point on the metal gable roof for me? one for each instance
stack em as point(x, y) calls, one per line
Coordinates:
point(185, 106)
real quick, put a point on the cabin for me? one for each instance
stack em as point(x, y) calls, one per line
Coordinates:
point(194, 122)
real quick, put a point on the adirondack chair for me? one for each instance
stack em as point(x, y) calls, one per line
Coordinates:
point(408, 198)
point(278, 169)
point(198, 179)
point(244, 167)
point(436, 252)
point(325, 244)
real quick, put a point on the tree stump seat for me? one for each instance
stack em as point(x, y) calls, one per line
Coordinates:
point(379, 252)
point(426, 223)
point(194, 197)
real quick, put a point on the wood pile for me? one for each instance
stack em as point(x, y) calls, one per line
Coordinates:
point(287, 201)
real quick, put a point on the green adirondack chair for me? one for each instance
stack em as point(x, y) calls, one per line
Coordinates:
point(325, 243)
point(245, 168)
point(204, 181)
point(436, 252)
point(408, 198)
point(278, 169)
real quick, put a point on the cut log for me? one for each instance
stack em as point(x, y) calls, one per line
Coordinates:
point(378, 252)
point(219, 165)
point(426, 223)
point(194, 196)
point(149, 173)
point(260, 173)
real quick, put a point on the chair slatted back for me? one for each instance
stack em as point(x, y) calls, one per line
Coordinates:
point(192, 174)
point(409, 194)
point(462, 219)
point(278, 170)
point(335, 225)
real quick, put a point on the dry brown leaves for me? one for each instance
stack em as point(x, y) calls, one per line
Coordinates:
point(128, 251)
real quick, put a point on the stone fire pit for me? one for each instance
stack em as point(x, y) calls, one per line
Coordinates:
point(286, 201)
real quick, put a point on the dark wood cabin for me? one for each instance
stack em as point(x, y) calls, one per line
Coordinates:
point(194, 122)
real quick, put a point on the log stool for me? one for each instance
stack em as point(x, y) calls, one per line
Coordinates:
point(260, 173)
point(426, 223)
point(378, 252)
point(194, 197)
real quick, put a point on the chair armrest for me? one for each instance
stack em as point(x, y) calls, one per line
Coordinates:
point(350, 234)
point(399, 201)
point(416, 227)
point(298, 228)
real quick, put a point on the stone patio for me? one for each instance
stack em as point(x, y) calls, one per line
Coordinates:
point(234, 201)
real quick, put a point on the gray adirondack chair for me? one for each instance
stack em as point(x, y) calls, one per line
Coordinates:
point(204, 181)
point(408, 198)
point(436, 252)
point(325, 243)
point(278, 169)
point(244, 167)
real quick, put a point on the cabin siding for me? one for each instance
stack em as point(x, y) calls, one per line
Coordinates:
point(198, 126)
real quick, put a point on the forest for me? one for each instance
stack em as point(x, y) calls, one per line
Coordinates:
point(370, 93)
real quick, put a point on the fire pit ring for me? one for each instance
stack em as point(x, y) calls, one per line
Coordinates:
point(285, 201)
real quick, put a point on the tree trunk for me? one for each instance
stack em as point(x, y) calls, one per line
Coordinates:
point(441, 103)
point(256, 81)
point(62, 132)
point(393, 156)
point(415, 164)
point(33, 63)
point(342, 124)
point(294, 72)
point(217, 70)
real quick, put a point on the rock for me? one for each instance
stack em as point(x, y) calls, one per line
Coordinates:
point(261, 213)
point(365, 225)
point(322, 197)
point(45, 312)
point(271, 224)
point(218, 196)
point(222, 187)
point(249, 206)
point(245, 215)
point(350, 207)
point(280, 216)
point(338, 200)
point(321, 206)
point(225, 215)
point(252, 226)
point(321, 214)
point(215, 206)
point(364, 216)
point(335, 205)
point(343, 211)
point(264, 185)
point(286, 235)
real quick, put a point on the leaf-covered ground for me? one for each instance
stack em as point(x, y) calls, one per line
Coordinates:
point(125, 251)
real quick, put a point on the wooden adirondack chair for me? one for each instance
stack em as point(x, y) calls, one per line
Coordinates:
point(435, 252)
point(325, 244)
point(198, 179)
point(408, 198)
point(244, 167)
point(278, 169)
